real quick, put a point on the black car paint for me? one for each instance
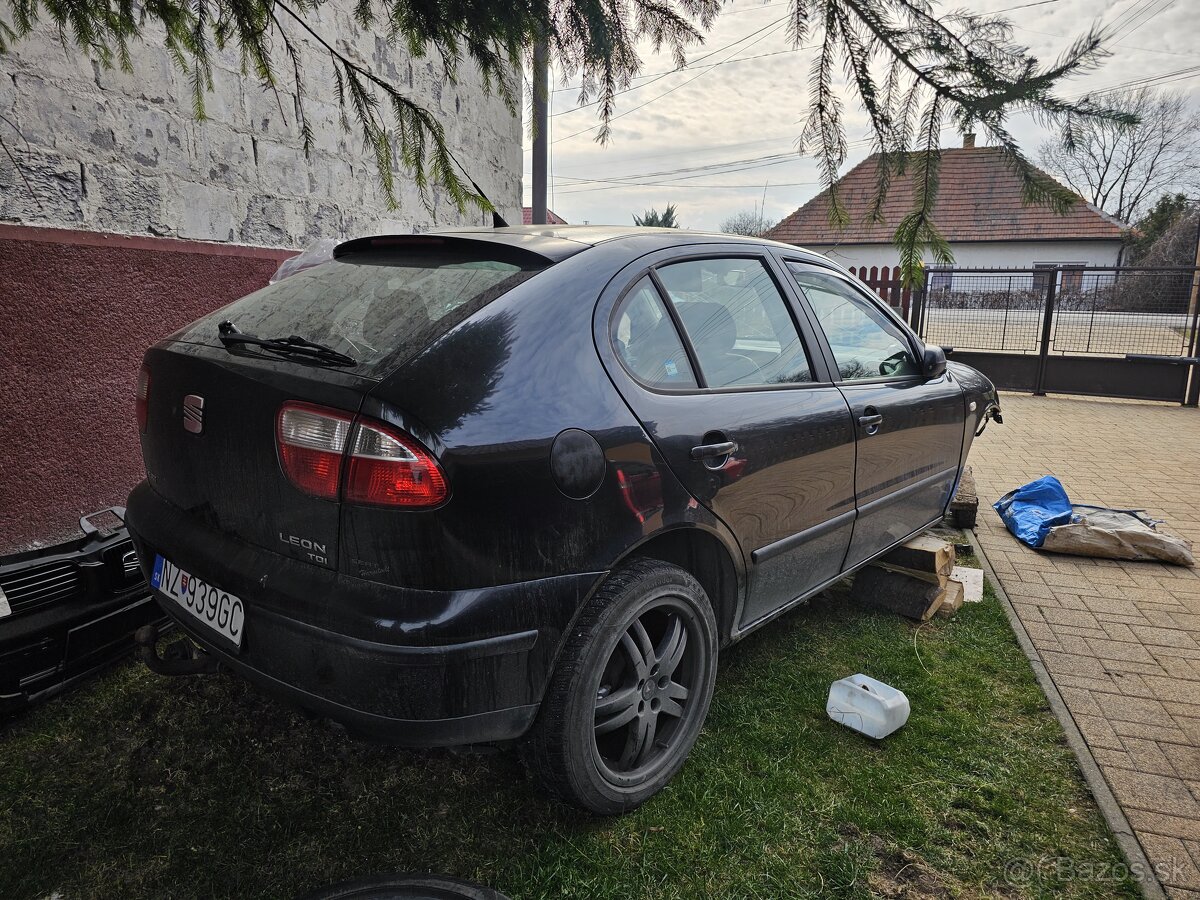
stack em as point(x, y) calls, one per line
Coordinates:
point(441, 626)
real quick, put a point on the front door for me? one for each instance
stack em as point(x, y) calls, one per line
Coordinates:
point(720, 377)
point(908, 428)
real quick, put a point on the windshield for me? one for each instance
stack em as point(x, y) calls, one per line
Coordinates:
point(380, 307)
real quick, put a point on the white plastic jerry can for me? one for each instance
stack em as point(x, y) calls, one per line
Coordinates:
point(866, 705)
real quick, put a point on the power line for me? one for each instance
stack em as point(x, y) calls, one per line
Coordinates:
point(736, 59)
point(673, 71)
point(1164, 5)
point(1147, 81)
point(996, 12)
point(659, 96)
point(675, 181)
point(1123, 46)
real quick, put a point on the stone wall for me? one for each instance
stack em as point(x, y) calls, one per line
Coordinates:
point(128, 218)
point(107, 150)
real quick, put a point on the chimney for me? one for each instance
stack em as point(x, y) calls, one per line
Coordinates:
point(968, 140)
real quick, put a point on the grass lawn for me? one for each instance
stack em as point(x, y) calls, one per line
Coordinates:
point(140, 786)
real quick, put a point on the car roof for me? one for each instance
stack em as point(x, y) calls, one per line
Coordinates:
point(559, 241)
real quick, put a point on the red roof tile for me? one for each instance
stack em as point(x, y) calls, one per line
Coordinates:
point(979, 200)
point(552, 218)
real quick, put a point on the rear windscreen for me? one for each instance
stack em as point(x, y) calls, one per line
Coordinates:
point(379, 307)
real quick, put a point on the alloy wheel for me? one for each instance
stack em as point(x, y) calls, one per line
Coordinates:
point(642, 704)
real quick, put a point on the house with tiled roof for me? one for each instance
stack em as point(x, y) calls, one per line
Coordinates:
point(978, 209)
point(552, 218)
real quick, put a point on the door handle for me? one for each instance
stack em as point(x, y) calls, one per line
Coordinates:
point(714, 451)
point(870, 420)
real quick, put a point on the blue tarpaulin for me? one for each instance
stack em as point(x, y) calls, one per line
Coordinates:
point(1032, 510)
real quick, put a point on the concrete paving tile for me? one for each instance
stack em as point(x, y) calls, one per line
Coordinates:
point(1132, 709)
point(1106, 683)
point(1161, 823)
point(1104, 649)
point(1172, 862)
point(1117, 758)
point(1148, 756)
point(1154, 731)
point(1184, 759)
point(1119, 631)
point(1073, 664)
point(1164, 637)
point(1156, 793)
point(1189, 726)
point(1098, 732)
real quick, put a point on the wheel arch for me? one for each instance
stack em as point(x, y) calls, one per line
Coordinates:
point(704, 555)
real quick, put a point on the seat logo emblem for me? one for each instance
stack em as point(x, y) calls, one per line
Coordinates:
point(193, 413)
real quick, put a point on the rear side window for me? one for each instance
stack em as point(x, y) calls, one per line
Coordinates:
point(380, 307)
point(646, 340)
point(738, 323)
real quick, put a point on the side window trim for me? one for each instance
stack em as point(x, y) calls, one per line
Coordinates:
point(818, 365)
point(827, 351)
point(647, 274)
point(686, 339)
point(823, 369)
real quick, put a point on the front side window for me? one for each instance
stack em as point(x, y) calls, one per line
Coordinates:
point(737, 321)
point(865, 342)
point(646, 340)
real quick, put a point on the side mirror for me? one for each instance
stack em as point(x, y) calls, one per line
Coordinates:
point(933, 362)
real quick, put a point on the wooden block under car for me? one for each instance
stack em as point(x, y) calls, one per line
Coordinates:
point(925, 556)
point(952, 599)
point(915, 598)
point(964, 508)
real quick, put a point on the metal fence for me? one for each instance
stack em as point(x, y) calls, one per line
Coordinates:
point(1080, 324)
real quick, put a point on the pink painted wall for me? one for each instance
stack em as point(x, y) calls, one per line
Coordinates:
point(77, 310)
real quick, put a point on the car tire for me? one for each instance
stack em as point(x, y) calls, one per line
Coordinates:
point(630, 692)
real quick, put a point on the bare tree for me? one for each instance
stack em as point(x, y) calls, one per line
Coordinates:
point(750, 222)
point(1123, 168)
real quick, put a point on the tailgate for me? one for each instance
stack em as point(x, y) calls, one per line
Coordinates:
point(218, 461)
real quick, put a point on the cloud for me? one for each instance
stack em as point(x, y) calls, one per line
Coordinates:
point(752, 108)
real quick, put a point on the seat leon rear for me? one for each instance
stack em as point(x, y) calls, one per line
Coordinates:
point(521, 485)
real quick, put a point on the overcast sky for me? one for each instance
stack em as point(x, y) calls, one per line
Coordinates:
point(740, 111)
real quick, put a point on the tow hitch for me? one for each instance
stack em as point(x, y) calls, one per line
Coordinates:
point(180, 657)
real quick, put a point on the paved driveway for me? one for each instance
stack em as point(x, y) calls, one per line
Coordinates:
point(1120, 640)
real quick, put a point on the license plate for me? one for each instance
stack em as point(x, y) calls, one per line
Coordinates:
point(217, 609)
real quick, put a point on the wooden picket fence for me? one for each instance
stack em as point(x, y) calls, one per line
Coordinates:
point(885, 282)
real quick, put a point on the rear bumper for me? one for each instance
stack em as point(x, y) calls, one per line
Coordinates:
point(412, 667)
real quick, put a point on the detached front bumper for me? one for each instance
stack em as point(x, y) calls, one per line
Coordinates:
point(411, 667)
point(70, 610)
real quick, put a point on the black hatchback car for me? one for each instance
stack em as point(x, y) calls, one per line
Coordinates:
point(523, 483)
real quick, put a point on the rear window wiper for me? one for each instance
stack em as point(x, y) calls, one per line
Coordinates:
point(293, 345)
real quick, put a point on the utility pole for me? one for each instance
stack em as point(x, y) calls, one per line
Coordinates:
point(541, 122)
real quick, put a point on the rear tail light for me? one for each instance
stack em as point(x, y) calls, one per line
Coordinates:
point(384, 466)
point(312, 443)
point(388, 468)
point(141, 405)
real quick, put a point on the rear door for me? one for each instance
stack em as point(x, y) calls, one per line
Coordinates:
point(908, 428)
point(712, 359)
